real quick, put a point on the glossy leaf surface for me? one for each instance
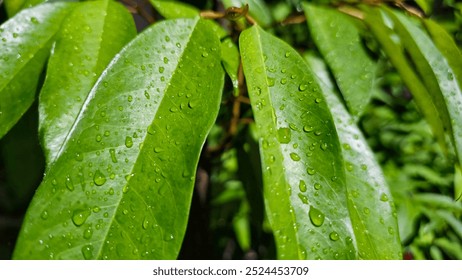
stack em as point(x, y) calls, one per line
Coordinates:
point(370, 203)
point(174, 9)
point(337, 38)
point(303, 175)
point(122, 185)
point(89, 38)
point(436, 73)
point(374, 18)
point(25, 41)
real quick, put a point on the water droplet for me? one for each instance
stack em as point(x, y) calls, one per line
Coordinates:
point(391, 230)
point(87, 233)
point(151, 129)
point(284, 135)
point(15, 35)
point(44, 215)
point(168, 237)
point(205, 54)
point(69, 184)
point(87, 252)
point(128, 142)
point(167, 39)
point(363, 167)
point(145, 223)
point(302, 87)
point(126, 188)
point(317, 186)
point(146, 94)
point(333, 236)
point(384, 197)
point(334, 178)
point(113, 155)
point(346, 146)
point(34, 20)
point(165, 60)
point(294, 157)
point(80, 216)
point(324, 146)
point(316, 216)
point(287, 54)
point(318, 100)
point(130, 98)
point(99, 138)
point(270, 82)
point(308, 128)
point(310, 171)
point(192, 104)
point(349, 166)
point(283, 81)
point(99, 178)
point(302, 186)
point(366, 211)
point(303, 198)
point(318, 132)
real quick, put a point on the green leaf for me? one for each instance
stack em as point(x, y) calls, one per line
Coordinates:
point(337, 38)
point(12, 7)
point(369, 199)
point(374, 19)
point(121, 187)
point(89, 38)
point(436, 73)
point(174, 9)
point(230, 60)
point(301, 157)
point(257, 9)
point(24, 46)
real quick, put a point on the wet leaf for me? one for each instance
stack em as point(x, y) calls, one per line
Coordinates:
point(374, 18)
point(25, 41)
point(174, 9)
point(122, 185)
point(370, 203)
point(89, 38)
point(436, 73)
point(304, 180)
point(337, 38)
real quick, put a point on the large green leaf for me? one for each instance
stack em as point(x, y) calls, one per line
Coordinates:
point(436, 73)
point(174, 9)
point(89, 38)
point(122, 185)
point(337, 38)
point(24, 45)
point(375, 21)
point(303, 174)
point(370, 203)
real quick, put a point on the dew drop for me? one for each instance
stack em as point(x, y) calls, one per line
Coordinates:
point(302, 87)
point(334, 236)
point(168, 237)
point(384, 197)
point(145, 224)
point(99, 138)
point(113, 155)
point(303, 198)
point(310, 171)
point(308, 128)
point(87, 252)
point(270, 82)
point(99, 178)
point(80, 216)
point(146, 94)
point(302, 186)
point(283, 81)
point(363, 167)
point(316, 216)
point(44, 215)
point(128, 142)
point(294, 157)
point(69, 184)
point(284, 135)
point(287, 54)
point(205, 54)
point(34, 20)
point(391, 231)
point(87, 233)
point(130, 98)
point(346, 146)
point(349, 166)
point(324, 146)
point(366, 211)
point(317, 186)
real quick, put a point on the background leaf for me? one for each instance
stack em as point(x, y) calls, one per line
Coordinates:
point(24, 46)
point(370, 203)
point(337, 38)
point(436, 73)
point(174, 9)
point(89, 38)
point(304, 180)
point(122, 186)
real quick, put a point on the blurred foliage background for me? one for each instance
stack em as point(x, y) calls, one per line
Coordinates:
point(227, 219)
